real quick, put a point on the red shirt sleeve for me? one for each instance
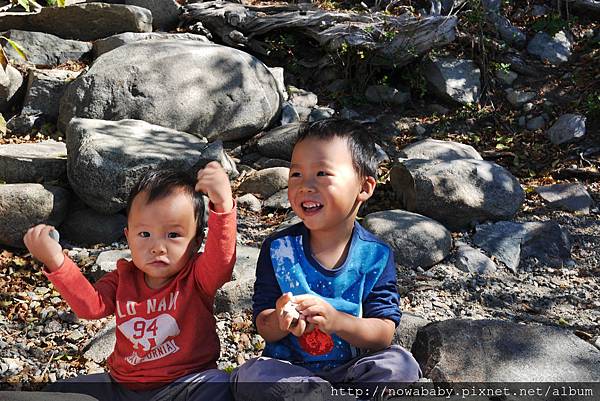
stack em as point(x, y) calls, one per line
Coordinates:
point(214, 266)
point(87, 301)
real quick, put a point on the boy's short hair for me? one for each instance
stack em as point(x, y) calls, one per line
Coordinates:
point(361, 146)
point(161, 183)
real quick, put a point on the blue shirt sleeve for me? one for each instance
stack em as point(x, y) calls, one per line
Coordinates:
point(266, 287)
point(383, 301)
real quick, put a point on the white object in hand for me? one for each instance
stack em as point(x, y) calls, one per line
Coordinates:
point(54, 235)
point(290, 309)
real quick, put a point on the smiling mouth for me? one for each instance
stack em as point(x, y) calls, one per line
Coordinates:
point(311, 206)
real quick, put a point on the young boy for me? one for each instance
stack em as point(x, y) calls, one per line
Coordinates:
point(340, 278)
point(163, 298)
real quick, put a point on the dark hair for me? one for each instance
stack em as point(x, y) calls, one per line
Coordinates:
point(360, 144)
point(161, 183)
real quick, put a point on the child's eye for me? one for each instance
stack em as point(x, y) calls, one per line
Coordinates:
point(144, 234)
point(321, 174)
point(173, 235)
point(295, 174)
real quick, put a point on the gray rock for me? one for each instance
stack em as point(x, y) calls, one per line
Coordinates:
point(45, 49)
point(517, 98)
point(279, 142)
point(491, 6)
point(23, 123)
point(536, 123)
point(386, 94)
point(510, 33)
point(508, 77)
point(99, 348)
point(105, 45)
point(249, 202)
point(441, 150)
point(303, 113)
point(554, 49)
point(539, 10)
point(349, 114)
point(266, 182)
point(278, 74)
point(567, 128)
point(511, 242)
point(416, 240)
point(10, 82)
point(279, 200)
point(245, 263)
point(471, 260)
point(457, 80)
point(267, 162)
point(106, 262)
point(150, 81)
point(88, 21)
point(527, 107)
point(44, 89)
point(106, 158)
point(572, 197)
point(235, 296)
point(406, 333)
point(498, 351)
point(302, 98)
point(23, 206)
point(289, 115)
point(165, 13)
point(320, 113)
point(34, 162)
point(87, 227)
point(457, 193)
point(522, 121)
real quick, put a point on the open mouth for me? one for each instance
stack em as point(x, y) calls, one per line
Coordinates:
point(311, 206)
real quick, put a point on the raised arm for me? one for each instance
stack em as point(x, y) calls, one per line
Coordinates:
point(86, 301)
point(215, 265)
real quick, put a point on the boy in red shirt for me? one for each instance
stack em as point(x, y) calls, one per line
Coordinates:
point(166, 341)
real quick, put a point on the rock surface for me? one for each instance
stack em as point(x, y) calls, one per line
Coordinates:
point(266, 182)
point(105, 45)
point(439, 150)
point(572, 197)
point(34, 162)
point(453, 79)
point(567, 128)
point(150, 81)
point(44, 48)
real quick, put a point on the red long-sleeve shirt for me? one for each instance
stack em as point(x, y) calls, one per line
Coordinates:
point(162, 334)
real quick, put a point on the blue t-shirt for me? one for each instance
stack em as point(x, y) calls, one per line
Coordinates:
point(363, 286)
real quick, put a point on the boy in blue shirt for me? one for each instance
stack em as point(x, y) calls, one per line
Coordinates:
point(340, 278)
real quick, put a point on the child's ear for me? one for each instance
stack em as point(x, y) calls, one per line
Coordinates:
point(367, 188)
point(126, 232)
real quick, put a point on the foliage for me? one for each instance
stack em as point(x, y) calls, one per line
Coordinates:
point(592, 105)
point(27, 4)
point(551, 24)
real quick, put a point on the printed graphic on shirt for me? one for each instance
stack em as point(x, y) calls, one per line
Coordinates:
point(149, 336)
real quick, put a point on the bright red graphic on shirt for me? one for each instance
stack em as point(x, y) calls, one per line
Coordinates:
point(316, 342)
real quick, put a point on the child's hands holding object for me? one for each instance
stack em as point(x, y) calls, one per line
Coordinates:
point(289, 318)
point(42, 242)
point(213, 181)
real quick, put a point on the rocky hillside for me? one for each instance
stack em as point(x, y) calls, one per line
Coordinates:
point(486, 115)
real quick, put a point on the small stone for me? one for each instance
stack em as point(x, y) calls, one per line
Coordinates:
point(52, 327)
point(527, 107)
point(75, 335)
point(536, 123)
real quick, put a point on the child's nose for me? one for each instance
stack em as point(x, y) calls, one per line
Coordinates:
point(157, 248)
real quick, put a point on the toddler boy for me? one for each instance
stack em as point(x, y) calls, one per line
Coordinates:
point(340, 278)
point(163, 298)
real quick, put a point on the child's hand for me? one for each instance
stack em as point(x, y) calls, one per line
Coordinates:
point(43, 247)
point(213, 181)
point(319, 312)
point(285, 319)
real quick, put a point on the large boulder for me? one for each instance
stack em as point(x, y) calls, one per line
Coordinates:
point(457, 193)
point(105, 45)
point(45, 49)
point(22, 206)
point(88, 21)
point(441, 150)
point(87, 227)
point(553, 49)
point(415, 239)
point(200, 88)
point(34, 162)
point(165, 13)
point(44, 90)
point(454, 79)
point(498, 351)
point(568, 127)
point(570, 196)
point(107, 158)
point(266, 182)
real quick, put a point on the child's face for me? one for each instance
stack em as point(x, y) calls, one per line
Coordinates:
point(161, 235)
point(324, 189)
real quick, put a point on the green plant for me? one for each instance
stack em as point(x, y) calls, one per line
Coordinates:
point(415, 80)
point(592, 104)
point(502, 67)
point(26, 4)
point(551, 24)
